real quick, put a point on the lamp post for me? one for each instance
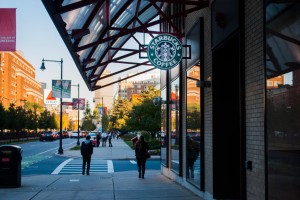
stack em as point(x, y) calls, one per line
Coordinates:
point(60, 149)
point(78, 143)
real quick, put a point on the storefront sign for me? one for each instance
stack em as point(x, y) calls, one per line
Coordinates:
point(165, 51)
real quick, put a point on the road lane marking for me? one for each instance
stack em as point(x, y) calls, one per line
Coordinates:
point(59, 168)
point(52, 149)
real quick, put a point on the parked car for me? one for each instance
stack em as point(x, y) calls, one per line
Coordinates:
point(74, 134)
point(56, 135)
point(83, 134)
point(93, 137)
point(47, 136)
point(65, 134)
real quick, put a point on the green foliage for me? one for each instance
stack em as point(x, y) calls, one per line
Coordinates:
point(154, 144)
point(145, 117)
point(3, 118)
point(119, 114)
point(87, 123)
point(75, 148)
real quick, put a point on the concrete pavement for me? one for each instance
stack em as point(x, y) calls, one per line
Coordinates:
point(104, 186)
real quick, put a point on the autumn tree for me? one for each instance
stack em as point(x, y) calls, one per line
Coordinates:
point(87, 123)
point(119, 114)
point(145, 116)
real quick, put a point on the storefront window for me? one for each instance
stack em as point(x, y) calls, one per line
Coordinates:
point(283, 100)
point(163, 132)
point(174, 126)
point(193, 125)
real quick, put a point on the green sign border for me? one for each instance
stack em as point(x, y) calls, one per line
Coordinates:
point(172, 45)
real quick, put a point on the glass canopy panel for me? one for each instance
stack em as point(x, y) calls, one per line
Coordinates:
point(148, 14)
point(67, 2)
point(75, 19)
point(99, 52)
point(96, 28)
point(120, 41)
point(126, 16)
point(115, 6)
point(84, 53)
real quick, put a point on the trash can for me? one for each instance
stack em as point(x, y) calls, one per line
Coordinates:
point(134, 140)
point(10, 166)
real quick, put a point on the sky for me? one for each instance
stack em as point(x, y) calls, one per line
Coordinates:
point(38, 38)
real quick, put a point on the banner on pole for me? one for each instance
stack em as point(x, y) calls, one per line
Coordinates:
point(66, 88)
point(78, 103)
point(7, 29)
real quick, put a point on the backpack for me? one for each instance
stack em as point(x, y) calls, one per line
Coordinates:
point(85, 150)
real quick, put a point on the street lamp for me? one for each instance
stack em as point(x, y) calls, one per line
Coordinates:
point(60, 149)
point(78, 143)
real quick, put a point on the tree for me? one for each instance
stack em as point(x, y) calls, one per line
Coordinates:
point(47, 120)
point(87, 123)
point(119, 114)
point(145, 116)
point(12, 116)
point(2, 117)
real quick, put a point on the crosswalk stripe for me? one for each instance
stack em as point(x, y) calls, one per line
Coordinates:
point(75, 167)
point(58, 169)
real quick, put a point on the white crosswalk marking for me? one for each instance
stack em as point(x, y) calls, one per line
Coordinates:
point(75, 167)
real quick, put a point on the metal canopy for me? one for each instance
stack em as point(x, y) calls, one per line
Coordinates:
point(96, 31)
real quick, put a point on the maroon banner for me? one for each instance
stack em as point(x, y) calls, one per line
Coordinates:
point(78, 103)
point(7, 29)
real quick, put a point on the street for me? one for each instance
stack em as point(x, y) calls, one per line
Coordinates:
point(41, 158)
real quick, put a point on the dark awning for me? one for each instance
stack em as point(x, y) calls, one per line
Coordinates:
point(96, 31)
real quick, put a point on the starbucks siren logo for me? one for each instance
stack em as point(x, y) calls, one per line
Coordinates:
point(165, 51)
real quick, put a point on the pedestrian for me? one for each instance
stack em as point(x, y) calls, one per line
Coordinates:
point(98, 137)
point(86, 152)
point(109, 139)
point(193, 152)
point(104, 138)
point(141, 151)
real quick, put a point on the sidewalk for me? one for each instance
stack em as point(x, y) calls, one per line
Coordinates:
point(120, 150)
point(114, 186)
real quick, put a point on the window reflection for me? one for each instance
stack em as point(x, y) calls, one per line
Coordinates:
point(163, 133)
point(174, 129)
point(283, 100)
point(193, 125)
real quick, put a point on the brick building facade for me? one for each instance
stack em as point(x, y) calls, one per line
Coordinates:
point(18, 82)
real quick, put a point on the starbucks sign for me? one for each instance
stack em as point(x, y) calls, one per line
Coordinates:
point(165, 51)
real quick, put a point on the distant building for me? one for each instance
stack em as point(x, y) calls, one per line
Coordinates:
point(18, 82)
point(131, 87)
point(107, 93)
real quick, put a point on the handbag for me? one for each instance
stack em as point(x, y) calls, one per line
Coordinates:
point(148, 155)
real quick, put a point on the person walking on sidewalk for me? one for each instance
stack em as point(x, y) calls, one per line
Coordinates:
point(109, 139)
point(141, 150)
point(86, 152)
point(98, 137)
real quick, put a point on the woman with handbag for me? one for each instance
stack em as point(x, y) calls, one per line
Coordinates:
point(141, 153)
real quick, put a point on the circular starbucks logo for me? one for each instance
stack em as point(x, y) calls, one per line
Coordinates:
point(165, 51)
